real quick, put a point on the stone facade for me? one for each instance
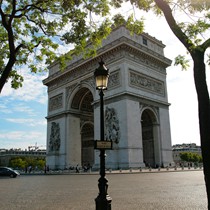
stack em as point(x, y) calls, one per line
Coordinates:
point(136, 106)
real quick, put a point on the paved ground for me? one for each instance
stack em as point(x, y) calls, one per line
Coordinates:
point(180, 190)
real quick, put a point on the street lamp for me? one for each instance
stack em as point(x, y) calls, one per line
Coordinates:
point(103, 200)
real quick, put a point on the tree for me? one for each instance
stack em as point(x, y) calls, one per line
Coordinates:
point(185, 156)
point(190, 35)
point(190, 157)
point(17, 162)
point(31, 30)
point(23, 162)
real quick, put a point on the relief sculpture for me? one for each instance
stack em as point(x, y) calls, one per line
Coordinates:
point(151, 84)
point(56, 102)
point(112, 129)
point(54, 143)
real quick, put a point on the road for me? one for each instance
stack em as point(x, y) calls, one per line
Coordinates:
point(183, 190)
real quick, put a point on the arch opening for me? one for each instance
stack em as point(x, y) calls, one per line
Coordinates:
point(148, 120)
point(82, 102)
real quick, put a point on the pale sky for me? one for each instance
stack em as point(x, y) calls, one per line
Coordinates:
point(23, 111)
point(180, 84)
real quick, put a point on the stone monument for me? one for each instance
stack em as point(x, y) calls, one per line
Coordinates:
point(136, 106)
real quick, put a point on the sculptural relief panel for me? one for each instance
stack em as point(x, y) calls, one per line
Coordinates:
point(112, 128)
point(54, 142)
point(56, 102)
point(114, 79)
point(148, 83)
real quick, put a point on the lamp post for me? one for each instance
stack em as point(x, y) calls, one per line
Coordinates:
point(103, 200)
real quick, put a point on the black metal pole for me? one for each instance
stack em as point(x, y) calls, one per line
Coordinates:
point(103, 201)
point(102, 114)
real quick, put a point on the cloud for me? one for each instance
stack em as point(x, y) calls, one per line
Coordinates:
point(19, 135)
point(27, 122)
point(8, 107)
point(4, 109)
point(22, 107)
point(32, 90)
point(21, 139)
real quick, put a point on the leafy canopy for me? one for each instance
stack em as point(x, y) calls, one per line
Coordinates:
point(192, 29)
point(31, 32)
point(190, 157)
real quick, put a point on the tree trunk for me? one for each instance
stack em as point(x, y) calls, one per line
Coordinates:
point(5, 75)
point(204, 114)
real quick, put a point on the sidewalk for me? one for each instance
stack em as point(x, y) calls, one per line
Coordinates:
point(121, 171)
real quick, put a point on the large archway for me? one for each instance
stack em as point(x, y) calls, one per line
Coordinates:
point(137, 84)
point(83, 100)
point(82, 104)
point(148, 120)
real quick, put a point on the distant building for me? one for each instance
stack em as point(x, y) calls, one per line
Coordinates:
point(6, 155)
point(179, 148)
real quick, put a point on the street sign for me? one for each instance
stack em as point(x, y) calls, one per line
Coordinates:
point(103, 144)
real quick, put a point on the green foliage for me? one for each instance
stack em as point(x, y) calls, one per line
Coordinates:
point(181, 60)
point(23, 162)
point(16, 79)
point(191, 157)
point(145, 5)
point(31, 32)
point(194, 30)
point(194, 5)
point(17, 163)
point(135, 26)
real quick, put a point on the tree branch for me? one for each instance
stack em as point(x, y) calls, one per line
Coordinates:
point(3, 19)
point(163, 5)
point(28, 7)
point(11, 16)
point(206, 44)
point(39, 24)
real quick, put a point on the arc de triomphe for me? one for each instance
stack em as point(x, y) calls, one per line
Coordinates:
point(136, 106)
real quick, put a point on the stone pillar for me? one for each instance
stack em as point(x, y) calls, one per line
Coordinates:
point(73, 141)
point(157, 144)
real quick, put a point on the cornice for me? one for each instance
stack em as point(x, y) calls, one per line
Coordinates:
point(62, 114)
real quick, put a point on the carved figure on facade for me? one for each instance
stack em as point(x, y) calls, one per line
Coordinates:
point(112, 129)
point(140, 80)
point(54, 143)
point(114, 79)
point(56, 102)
